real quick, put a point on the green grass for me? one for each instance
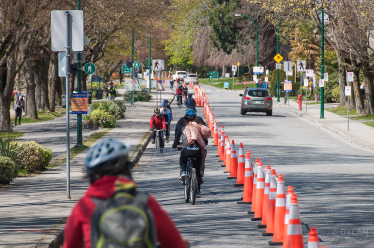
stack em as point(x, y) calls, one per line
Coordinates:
point(42, 116)
point(10, 135)
point(365, 117)
point(219, 84)
point(341, 111)
point(369, 123)
point(78, 149)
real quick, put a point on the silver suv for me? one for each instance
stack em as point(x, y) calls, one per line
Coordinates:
point(256, 100)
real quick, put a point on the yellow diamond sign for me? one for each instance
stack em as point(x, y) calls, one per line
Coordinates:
point(278, 58)
point(238, 63)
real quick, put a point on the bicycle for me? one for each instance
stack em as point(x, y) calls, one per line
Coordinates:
point(190, 183)
point(179, 100)
point(158, 149)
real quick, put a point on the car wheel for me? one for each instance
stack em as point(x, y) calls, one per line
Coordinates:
point(242, 111)
point(269, 113)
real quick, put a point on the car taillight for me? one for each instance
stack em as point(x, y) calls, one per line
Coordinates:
point(268, 99)
point(247, 98)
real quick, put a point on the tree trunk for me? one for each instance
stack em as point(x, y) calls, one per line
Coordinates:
point(223, 71)
point(53, 76)
point(38, 82)
point(357, 93)
point(342, 77)
point(30, 90)
point(6, 87)
point(369, 77)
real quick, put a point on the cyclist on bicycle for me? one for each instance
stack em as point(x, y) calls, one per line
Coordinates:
point(190, 102)
point(185, 91)
point(109, 170)
point(193, 145)
point(169, 107)
point(171, 84)
point(158, 123)
point(165, 112)
point(180, 93)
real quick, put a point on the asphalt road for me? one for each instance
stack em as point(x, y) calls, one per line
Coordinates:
point(332, 178)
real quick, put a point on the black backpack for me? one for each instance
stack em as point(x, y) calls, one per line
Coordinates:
point(123, 220)
point(111, 90)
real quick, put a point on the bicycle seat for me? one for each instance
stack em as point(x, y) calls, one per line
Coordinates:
point(191, 158)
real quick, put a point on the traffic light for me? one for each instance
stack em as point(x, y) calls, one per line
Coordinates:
point(129, 64)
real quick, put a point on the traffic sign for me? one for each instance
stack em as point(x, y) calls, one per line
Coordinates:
point(350, 76)
point(89, 68)
point(301, 65)
point(278, 58)
point(326, 77)
point(288, 73)
point(136, 64)
point(126, 69)
point(226, 85)
point(287, 66)
point(234, 68)
point(266, 79)
point(258, 70)
point(347, 90)
point(321, 83)
point(157, 65)
point(287, 86)
point(238, 63)
point(267, 72)
point(309, 73)
point(306, 82)
point(278, 66)
point(214, 74)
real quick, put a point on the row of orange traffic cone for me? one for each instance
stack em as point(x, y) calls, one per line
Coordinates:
point(277, 211)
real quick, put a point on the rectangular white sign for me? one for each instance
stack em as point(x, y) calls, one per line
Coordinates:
point(278, 66)
point(309, 73)
point(321, 83)
point(287, 66)
point(158, 65)
point(301, 65)
point(289, 73)
point(258, 70)
point(266, 79)
point(234, 68)
point(326, 76)
point(306, 82)
point(267, 72)
point(350, 76)
point(347, 90)
point(254, 77)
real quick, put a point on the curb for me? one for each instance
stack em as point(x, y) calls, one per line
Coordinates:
point(140, 152)
point(336, 131)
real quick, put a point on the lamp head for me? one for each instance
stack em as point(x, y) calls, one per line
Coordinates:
point(238, 15)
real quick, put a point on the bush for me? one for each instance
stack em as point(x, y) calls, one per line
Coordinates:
point(108, 121)
point(8, 148)
point(47, 156)
point(33, 158)
point(141, 96)
point(97, 115)
point(8, 170)
point(103, 118)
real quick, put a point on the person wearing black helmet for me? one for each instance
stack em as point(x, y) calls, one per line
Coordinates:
point(107, 212)
point(158, 123)
point(190, 102)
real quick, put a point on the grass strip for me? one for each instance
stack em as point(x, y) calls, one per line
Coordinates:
point(42, 116)
point(365, 117)
point(369, 123)
point(78, 149)
point(341, 110)
point(10, 135)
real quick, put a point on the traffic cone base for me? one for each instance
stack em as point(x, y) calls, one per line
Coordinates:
point(267, 234)
point(256, 219)
point(271, 243)
point(251, 212)
point(241, 202)
point(231, 177)
point(261, 226)
point(226, 172)
point(238, 185)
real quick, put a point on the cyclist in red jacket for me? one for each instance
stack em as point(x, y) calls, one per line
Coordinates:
point(158, 123)
point(110, 172)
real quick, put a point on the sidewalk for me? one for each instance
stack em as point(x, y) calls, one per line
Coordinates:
point(358, 133)
point(34, 209)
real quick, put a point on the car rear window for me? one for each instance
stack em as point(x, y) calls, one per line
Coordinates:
point(192, 75)
point(257, 93)
point(182, 73)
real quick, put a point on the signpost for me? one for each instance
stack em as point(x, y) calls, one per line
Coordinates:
point(158, 65)
point(309, 73)
point(226, 85)
point(278, 66)
point(89, 68)
point(79, 103)
point(126, 70)
point(278, 58)
point(234, 69)
point(301, 65)
point(348, 92)
point(287, 87)
point(213, 74)
point(238, 64)
point(306, 84)
point(136, 64)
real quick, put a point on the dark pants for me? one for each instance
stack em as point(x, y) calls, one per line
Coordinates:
point(18, 114)
point(179, 98)
point(185, 154)
point(160, 137)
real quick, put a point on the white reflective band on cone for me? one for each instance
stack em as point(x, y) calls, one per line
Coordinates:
point(241, 159)
point(280, 202)
point(247, 164)
point(233, 155)
point(248, 173)
point(294, 230)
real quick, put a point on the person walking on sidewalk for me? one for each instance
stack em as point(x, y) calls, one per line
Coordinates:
point(18, 108)
point(113, 211)
point(111, 93)
point(158, 123)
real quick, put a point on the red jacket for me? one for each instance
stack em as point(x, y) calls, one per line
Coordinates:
point(179, 91)
point(77, 229)
point(157, 122)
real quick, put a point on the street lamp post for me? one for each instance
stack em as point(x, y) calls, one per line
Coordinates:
point(149, 60)
point(277, 53)
point(238, 15)
point(322, 63)
point(79, 89)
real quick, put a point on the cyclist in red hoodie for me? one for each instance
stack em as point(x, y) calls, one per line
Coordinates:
point(110, 172)
point(158, 123)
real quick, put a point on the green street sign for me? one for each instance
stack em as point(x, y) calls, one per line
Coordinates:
point(126, 69)
point(214, 74)
point(89, 68)
point(136, 64)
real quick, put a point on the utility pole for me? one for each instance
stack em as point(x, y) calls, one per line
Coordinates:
point(79, 89)
point(132, 63)
point(149, 60)
point(322, 63)
point(277, 53)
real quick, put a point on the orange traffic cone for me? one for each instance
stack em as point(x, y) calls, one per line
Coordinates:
point(280, 210)
point(313, 241)
point(248, 181)
point(219, 142)
point(287, 215)
point(233, 162)
point(228, 156)
point(260, 187)
point(271, 207)
point(294, 232)
point(266, 198)
point(241, 167)
point(222, 152)
point(253, 207)
point(215, 138)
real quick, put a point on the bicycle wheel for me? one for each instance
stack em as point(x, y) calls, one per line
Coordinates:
point(193, 188)
point(156, 142)
point(186, 191)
